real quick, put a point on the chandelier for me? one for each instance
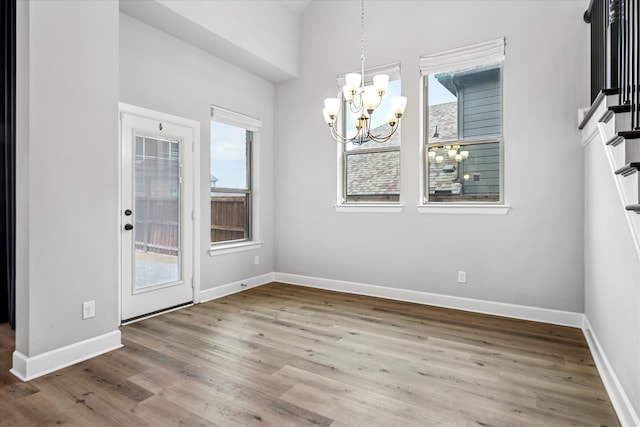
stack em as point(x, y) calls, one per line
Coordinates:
point(452, 151)
point(362, 103)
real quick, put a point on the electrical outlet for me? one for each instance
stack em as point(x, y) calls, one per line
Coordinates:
point(462, 277)
point(88, 309)
point(256, 260)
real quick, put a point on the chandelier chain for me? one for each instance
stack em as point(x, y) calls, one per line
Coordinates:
point(362, 40)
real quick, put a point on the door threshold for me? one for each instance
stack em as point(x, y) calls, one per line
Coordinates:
point(155, 313)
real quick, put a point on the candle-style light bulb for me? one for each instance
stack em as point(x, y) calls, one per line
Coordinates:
point(353, 80)
point(348, 94)
point(370, 99)
point(333, 106)
point(381, 82)
point(398, 105)
point(327, 118)
point(391, 119)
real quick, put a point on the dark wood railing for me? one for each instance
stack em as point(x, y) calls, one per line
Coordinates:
point(615, 61)
point(598, 17)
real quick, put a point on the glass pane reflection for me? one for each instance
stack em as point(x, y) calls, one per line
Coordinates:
point(157, 212)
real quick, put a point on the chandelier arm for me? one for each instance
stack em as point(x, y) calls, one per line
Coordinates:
point(339, 138)
point(385, 138)
point(353, 107)
point(366, 127)
point(367, 133)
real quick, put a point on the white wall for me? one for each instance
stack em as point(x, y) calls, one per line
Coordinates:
point(612, 273)
point(160, 72)
point(533, 256)
point(273, 34)
point(67, 219)
point(257, 35)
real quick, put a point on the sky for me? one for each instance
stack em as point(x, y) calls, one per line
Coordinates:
point(228, 155)
point(438, 94)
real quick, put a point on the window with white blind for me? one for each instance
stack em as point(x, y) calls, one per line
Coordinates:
point(233, 179)
point(463, 137)
point(369, 173)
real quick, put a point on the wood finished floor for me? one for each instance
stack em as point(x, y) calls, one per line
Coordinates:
point(283, 355)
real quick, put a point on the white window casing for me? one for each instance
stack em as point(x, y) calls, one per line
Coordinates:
point(229, 117)
point(457, 59)
point(393, 71)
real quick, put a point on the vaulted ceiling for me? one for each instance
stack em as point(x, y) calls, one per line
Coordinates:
point(260, 36)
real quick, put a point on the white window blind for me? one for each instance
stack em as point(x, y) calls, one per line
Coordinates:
point(229, 117)
point(461, 58)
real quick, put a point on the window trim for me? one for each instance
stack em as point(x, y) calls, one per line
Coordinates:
point(393, 70)
point(464, 208)
point(484, 53)
point(229, 117)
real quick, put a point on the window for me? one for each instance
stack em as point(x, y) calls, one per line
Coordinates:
point(463, 130)
point(370, 172)
point(232, 195)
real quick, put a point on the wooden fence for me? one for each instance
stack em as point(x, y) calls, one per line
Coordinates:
point(156, 223)
point(156, 226)
point(228, 218)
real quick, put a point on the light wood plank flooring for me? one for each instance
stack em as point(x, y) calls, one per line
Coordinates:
point(283, 355)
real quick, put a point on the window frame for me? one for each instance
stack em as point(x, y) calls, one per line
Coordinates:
point(253, 127)
point(342, 203)
point(484, 53)
point(247, 192)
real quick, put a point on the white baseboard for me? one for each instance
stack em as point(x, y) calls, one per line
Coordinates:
point(232, 288)
point(27, 368)
point(556, 317)
point(621, 403)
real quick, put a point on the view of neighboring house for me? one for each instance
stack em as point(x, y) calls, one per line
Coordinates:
point(460, 169)
point(373, 168)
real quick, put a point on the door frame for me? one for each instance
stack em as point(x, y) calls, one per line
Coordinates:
point(194, 181)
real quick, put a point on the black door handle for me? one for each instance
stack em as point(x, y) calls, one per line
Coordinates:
point(128, 227)
point(127, 212)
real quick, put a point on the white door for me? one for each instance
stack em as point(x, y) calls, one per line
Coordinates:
point(156, 215)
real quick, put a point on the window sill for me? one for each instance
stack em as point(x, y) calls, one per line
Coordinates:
point(369, 208)
point(469, 209)
point(229, 248)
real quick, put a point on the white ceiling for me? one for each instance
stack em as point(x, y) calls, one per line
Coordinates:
point(296, 5)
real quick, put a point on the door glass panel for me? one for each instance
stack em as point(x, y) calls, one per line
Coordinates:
point(157, 258)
